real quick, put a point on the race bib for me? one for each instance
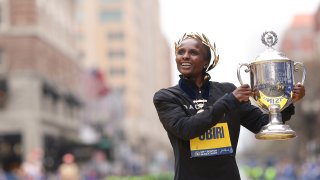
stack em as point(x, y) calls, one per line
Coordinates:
point(216, 141)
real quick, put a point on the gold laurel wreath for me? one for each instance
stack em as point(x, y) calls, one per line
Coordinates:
point(204, 40)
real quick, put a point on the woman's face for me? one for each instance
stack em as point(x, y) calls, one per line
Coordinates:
point(190, 58)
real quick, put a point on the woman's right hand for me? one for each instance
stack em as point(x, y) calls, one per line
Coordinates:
point(243, 92)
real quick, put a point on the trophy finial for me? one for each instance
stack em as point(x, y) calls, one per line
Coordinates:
point(269, 38)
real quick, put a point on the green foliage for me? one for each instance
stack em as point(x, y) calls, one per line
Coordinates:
point(163, 176)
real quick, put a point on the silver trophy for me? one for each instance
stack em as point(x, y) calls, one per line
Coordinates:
point(272, 81)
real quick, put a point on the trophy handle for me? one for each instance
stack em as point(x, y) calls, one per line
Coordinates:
point(304, 70)
point(246, 70)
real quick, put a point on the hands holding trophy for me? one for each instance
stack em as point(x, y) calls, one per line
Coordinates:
point(272, 81)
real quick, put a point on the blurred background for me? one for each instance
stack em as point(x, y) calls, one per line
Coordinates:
point(77, 78)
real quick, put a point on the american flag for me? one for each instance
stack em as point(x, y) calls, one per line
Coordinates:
point(95, 86)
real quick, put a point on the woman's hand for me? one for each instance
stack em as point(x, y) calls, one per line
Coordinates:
point(243, 93)
point(298, 92)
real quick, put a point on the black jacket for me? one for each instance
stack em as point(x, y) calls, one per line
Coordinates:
point(180, 119)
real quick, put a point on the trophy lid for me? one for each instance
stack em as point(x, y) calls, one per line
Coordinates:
point(269, 38)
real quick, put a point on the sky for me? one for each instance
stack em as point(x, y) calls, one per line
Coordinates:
point(235, 26)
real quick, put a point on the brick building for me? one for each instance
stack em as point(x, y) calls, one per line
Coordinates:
point(301, 43)
point(42, 77)
point(40, 97)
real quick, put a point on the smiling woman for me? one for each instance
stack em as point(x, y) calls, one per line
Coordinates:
point(191, 60)
point(203, 118)
point(193, 55)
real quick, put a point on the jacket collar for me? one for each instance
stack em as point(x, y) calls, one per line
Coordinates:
point(189, 87)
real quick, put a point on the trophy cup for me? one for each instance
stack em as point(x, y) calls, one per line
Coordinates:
point(272, 81)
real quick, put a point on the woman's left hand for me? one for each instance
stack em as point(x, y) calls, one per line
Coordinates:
point(298, 92)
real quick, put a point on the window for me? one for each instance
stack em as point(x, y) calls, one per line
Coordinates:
point(79, 17)
point(1, 57)
point(117, 71)
point(1, 14)
point(116, 54)
point(109, 1)
point(3, 64)
point(113, 36)
point(107, 16)
point(119, 90)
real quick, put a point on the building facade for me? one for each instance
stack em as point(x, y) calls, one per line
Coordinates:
point(40, 101)
point(123, 39)
point(298, 40)
point(301, 43)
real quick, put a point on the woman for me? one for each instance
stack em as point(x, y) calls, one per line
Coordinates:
point(203, 118)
